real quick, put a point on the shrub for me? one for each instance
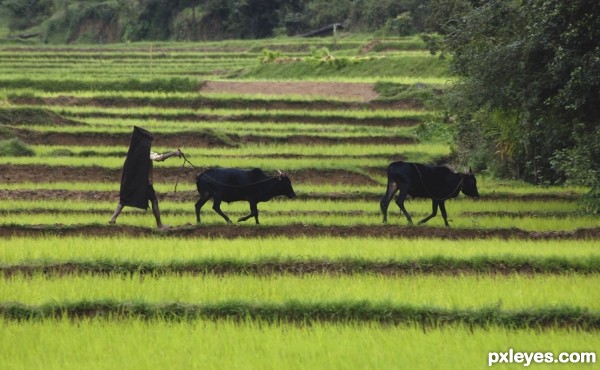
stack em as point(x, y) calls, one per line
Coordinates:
point(590, 202)
point(61, 153)
point(15, 148)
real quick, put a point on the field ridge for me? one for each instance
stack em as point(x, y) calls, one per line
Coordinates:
point(307, 313)
point(439, 265)
point(295, 230)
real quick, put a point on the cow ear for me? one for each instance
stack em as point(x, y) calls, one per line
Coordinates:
point(470, 171)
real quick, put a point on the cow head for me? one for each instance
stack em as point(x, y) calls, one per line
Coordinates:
point(470, 184)
point(284, 185)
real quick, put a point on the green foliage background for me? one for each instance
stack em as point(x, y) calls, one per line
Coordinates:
point(58, 21)
point(527, 104)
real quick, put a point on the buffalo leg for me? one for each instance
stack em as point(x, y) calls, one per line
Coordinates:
point(217, 208)
point(253, 213)
point(200, 203)
point(392, 188)
point(400, 202)
point(444, 214)
point(433, 212)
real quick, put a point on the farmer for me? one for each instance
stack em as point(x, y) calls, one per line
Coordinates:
point(136, 178)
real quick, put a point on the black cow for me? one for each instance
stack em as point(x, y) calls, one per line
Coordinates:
point(418, 180)
point(232, 184)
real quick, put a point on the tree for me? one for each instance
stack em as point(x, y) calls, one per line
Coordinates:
point(529, 85)
point(25, 13)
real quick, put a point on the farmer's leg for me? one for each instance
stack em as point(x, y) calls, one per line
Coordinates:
point(154, 201)
point(156, 212)
point(116, 214)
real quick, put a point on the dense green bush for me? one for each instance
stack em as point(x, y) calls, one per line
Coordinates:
point(26, 13)
point(528, 87)
point(15, 148)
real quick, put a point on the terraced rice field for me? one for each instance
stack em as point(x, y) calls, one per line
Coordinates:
point(320, 283)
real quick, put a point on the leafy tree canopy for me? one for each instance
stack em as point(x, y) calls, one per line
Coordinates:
point(528, 101)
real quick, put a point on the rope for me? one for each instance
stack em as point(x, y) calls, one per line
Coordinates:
point(185, 160)
point(459, 186)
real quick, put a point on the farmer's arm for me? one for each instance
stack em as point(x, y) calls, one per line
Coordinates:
point(161, 157)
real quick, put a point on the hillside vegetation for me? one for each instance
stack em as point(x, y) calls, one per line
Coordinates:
point(60, 21)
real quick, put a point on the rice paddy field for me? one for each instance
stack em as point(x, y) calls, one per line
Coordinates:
point(321, 283)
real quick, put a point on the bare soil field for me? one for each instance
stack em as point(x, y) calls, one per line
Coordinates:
point(183, 194)
point(195, 139)
point(43, 174)
point(270, 268)
point(207, 102)
point(341, 90)
point(294, 230)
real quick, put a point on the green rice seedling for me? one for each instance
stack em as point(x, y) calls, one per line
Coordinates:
point(134, 217)
point(279, 150)
point(161, 250)
point(461, 208)
point(273, 131)
point(258, 112)
point(416, 65)
point(517, 208)
point(267, 164)
point(464, 213)
point(159, 344)
point(264, 129)
point(461, 292)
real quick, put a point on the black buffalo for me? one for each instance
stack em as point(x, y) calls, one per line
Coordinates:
point(418, 180)
point(232, 184)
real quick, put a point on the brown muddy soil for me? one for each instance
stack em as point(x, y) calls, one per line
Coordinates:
point(185, 194)
point(205, 102)
point(291, 213)
point(294, 230)
point(340, 90)
point(194, 139)
point(284, 267)
point(43, 174)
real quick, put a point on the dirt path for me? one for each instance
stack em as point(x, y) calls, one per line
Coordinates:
point(340, 90)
